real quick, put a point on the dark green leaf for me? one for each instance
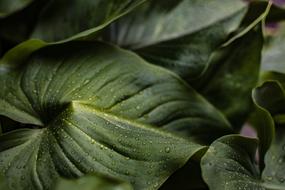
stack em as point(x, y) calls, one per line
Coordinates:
point(233, 72)
point(178, 34)
point(230, 159)
point(89, 107)
point(229, 164)
point(17, 27)
point(7, 6)
point(71, 19)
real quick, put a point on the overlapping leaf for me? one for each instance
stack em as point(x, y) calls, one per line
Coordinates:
point(189, 47)
point(8, 7)
point(179, 35)
point(232, 157)
point(63, 19)
point(233, 72)
point(87, 107)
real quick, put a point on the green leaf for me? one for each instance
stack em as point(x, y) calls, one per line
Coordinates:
point(230, 159)
point(84, 140)
point(3, 185)
point(229, 164)
point(92, 107)
point(233, 72)
point(8, 7)
point(64, 20)
point(178, 34)
point(189, 47)
point(92, 182)
point(17, 27)
point(263, 123)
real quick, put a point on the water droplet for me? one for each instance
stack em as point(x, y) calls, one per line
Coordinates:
point(86, 81)
point(280, 160)
point(22, 177)
point(281, 180)
point(167, 149)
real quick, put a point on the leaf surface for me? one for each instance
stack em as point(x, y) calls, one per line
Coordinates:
point(64, 20)
point(92, 182)
point(94, 107)
point(7, 7)
point(179, 35)
point(231, 159)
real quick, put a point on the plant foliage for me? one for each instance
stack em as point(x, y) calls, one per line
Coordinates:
point(142, 94)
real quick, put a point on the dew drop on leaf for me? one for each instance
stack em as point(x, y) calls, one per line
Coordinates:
point(167, 149)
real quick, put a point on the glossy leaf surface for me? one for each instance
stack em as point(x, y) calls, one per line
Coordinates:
point(90, 107)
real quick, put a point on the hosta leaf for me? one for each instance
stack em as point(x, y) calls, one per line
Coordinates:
point(7, 7)
point(189, 47)
point(232, 157)
point(92, 182)
point(65, 19)
point(229, 164)
point(179, 35)
point(233, 72)
point(92, 104)
point(17, 27)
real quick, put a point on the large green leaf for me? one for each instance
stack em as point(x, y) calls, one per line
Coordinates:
point(229, 164)
point(92, 182)
point(89, 107)
point(233, 72)
point(189, 47)
point(17, 27)
point(232, 157)
point(70, 19)
point(178, 34)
